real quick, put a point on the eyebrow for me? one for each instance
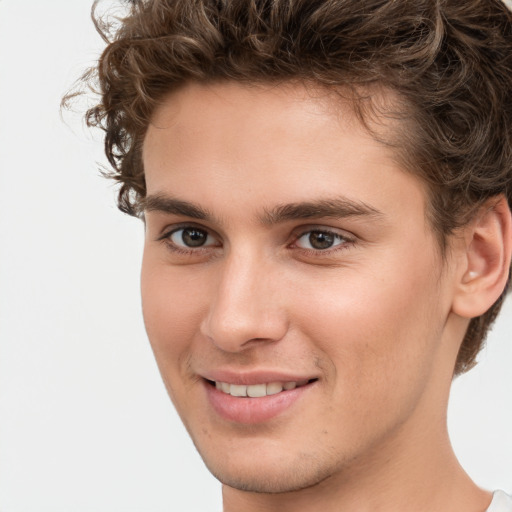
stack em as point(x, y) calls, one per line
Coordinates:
point(173, 206)
point(339, 207)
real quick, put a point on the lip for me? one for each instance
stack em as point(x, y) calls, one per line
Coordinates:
point(247, 410)
point(253, 377)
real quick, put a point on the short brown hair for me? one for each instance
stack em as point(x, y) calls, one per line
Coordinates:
point(448, 61)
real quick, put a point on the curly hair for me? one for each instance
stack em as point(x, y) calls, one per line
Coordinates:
point(448, 61)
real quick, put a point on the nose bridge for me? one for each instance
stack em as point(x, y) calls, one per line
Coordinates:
point(245, 304)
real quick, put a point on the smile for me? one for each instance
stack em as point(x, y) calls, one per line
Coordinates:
point(256, 402)
point(258, 390)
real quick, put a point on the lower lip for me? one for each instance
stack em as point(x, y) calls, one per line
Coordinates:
point(249, 410)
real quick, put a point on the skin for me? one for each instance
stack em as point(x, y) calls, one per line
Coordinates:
point(372, 318)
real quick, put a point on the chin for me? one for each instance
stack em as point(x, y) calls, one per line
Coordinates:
point(252, 471)
point(282, 480)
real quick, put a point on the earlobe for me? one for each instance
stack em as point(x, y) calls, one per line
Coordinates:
point(486, 261)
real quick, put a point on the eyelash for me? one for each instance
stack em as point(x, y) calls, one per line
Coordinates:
point(166, 238)
point(345, 241)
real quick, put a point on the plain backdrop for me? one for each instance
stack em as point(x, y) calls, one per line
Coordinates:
point(85, 423)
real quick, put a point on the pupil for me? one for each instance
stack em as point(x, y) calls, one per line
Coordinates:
point(320, 240)
point(193, 237)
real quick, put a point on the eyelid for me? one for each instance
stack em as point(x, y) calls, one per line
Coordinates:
point(348, 239)
point(170, 229)
point(304, 230)
point(166, 238)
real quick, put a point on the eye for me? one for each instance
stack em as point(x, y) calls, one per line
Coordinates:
point(191, 237)
point(320, 240)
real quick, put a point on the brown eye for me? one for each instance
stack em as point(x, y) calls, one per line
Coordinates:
point(191, 237)
point(320, 240)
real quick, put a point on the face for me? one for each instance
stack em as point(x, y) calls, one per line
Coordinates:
point(292, 289)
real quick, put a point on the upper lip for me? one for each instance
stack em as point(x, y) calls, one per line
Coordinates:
point(252, 377)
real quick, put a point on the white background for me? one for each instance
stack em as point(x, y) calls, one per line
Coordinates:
point(85, 424)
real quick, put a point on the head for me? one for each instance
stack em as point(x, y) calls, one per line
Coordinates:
point(447, 65)
point(422, 87)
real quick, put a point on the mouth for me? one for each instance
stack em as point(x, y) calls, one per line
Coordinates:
point(257, 402)
point(258, 390)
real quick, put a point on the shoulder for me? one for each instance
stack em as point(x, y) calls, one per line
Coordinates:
point(501, 502)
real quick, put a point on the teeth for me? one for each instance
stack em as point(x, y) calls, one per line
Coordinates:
point(257, 390)
point(238, 390)
point(274, 387)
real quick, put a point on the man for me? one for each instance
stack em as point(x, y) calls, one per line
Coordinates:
point(325, 186)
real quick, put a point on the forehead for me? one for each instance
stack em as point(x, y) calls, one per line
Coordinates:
point(262, 146)
point(231, 118)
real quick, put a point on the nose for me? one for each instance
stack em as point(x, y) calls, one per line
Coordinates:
point(246, 304)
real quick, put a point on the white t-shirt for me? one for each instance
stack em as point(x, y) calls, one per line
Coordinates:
point(501, 502)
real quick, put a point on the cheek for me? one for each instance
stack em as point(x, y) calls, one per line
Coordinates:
point(379, 329)
point(173, 304)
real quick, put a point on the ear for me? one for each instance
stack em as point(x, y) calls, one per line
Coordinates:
point(485, 261)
